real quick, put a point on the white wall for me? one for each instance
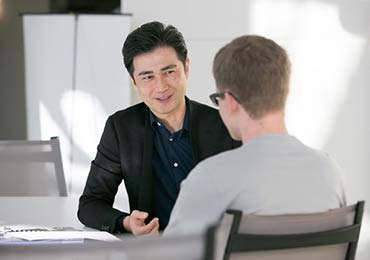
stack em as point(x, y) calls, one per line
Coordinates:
point(329, 45)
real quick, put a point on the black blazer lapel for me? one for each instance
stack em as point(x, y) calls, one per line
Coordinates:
point(193, 124)
point(146, 186)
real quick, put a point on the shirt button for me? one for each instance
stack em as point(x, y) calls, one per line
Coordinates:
point(171, 139)
point(159, 124)
point(175, 165)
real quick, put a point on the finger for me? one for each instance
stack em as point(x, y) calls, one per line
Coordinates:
point(154, 222)
point(153, 225)
point(139, 214)
point(155, 229)
point(148, 228)
point(137, 222)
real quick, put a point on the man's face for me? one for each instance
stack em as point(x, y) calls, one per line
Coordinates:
point(160, 78)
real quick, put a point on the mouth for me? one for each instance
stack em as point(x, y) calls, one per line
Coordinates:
point(163, 99)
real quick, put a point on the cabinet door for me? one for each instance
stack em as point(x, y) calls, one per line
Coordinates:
point(75, 78)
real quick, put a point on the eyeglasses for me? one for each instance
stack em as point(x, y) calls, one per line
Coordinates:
point(215, 97)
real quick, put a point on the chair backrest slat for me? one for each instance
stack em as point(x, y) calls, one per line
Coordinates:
point(247, 242)
point(327, 235)
point(22, 160)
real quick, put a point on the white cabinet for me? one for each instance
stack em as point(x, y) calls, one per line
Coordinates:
point(75, 78)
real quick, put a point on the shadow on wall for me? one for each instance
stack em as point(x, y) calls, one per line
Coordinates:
point(349, 138)
point(350, 133)
point(352, 123)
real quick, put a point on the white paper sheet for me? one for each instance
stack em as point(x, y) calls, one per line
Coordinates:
point(63, 235)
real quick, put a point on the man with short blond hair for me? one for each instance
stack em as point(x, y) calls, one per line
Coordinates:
point(272, 172)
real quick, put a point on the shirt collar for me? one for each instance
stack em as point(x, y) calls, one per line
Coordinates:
point(185, 126)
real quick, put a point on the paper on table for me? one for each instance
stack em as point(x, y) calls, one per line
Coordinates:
point(32, 228)
point(21, 242)
point(64, 235)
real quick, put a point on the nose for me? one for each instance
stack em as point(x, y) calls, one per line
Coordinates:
point(161, 84)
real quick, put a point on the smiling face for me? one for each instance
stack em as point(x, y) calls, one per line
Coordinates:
point(160, 79)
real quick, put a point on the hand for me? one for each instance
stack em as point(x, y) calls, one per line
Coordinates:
point(135, 223)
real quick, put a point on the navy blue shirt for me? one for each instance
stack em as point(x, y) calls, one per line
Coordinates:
point(172, 162)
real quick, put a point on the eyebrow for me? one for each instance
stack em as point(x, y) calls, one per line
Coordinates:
point(171, 66)
point(146, 72)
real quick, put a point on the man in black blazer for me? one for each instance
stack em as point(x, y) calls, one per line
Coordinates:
point(151, 146)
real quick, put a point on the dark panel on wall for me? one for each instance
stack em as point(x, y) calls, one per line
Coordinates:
point(12, 87)
point(85, 6)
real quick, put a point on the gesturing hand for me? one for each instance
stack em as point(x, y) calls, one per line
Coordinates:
point(135, 223)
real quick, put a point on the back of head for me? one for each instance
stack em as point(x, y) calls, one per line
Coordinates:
point(150, 36)
point(256, 70)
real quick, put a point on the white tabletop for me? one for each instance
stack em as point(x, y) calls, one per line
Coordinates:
point(44, 211)
point(62, 212)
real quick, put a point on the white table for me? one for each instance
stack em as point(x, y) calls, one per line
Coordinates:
point(44, 211)
point(62, 211)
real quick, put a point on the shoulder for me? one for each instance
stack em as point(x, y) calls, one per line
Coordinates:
point(128, 120)
point(321, 157)
point(216, 175)
point(217, 165)
point(134, 111)
point(133, 115)
point(223, 159)
point(319, 161)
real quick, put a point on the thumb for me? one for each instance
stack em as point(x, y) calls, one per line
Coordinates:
point(155, 229)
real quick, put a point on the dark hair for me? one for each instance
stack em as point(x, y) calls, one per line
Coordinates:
point(256, 70)
point(150, 36)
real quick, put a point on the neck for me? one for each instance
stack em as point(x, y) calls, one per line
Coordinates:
point(173, 121)
point(271, 123)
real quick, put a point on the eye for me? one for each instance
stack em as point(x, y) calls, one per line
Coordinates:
point(169, 72)
point(147, 77)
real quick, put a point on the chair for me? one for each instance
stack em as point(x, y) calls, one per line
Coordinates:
point(31, 168)
point(328, 235)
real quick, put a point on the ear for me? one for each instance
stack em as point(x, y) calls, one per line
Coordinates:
point(232, 104)
point(187, 63)
point(133, 82)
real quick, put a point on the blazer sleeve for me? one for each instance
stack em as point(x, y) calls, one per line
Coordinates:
point(96, 203)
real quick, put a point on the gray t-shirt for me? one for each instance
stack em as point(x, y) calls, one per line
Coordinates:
point(269, 175)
